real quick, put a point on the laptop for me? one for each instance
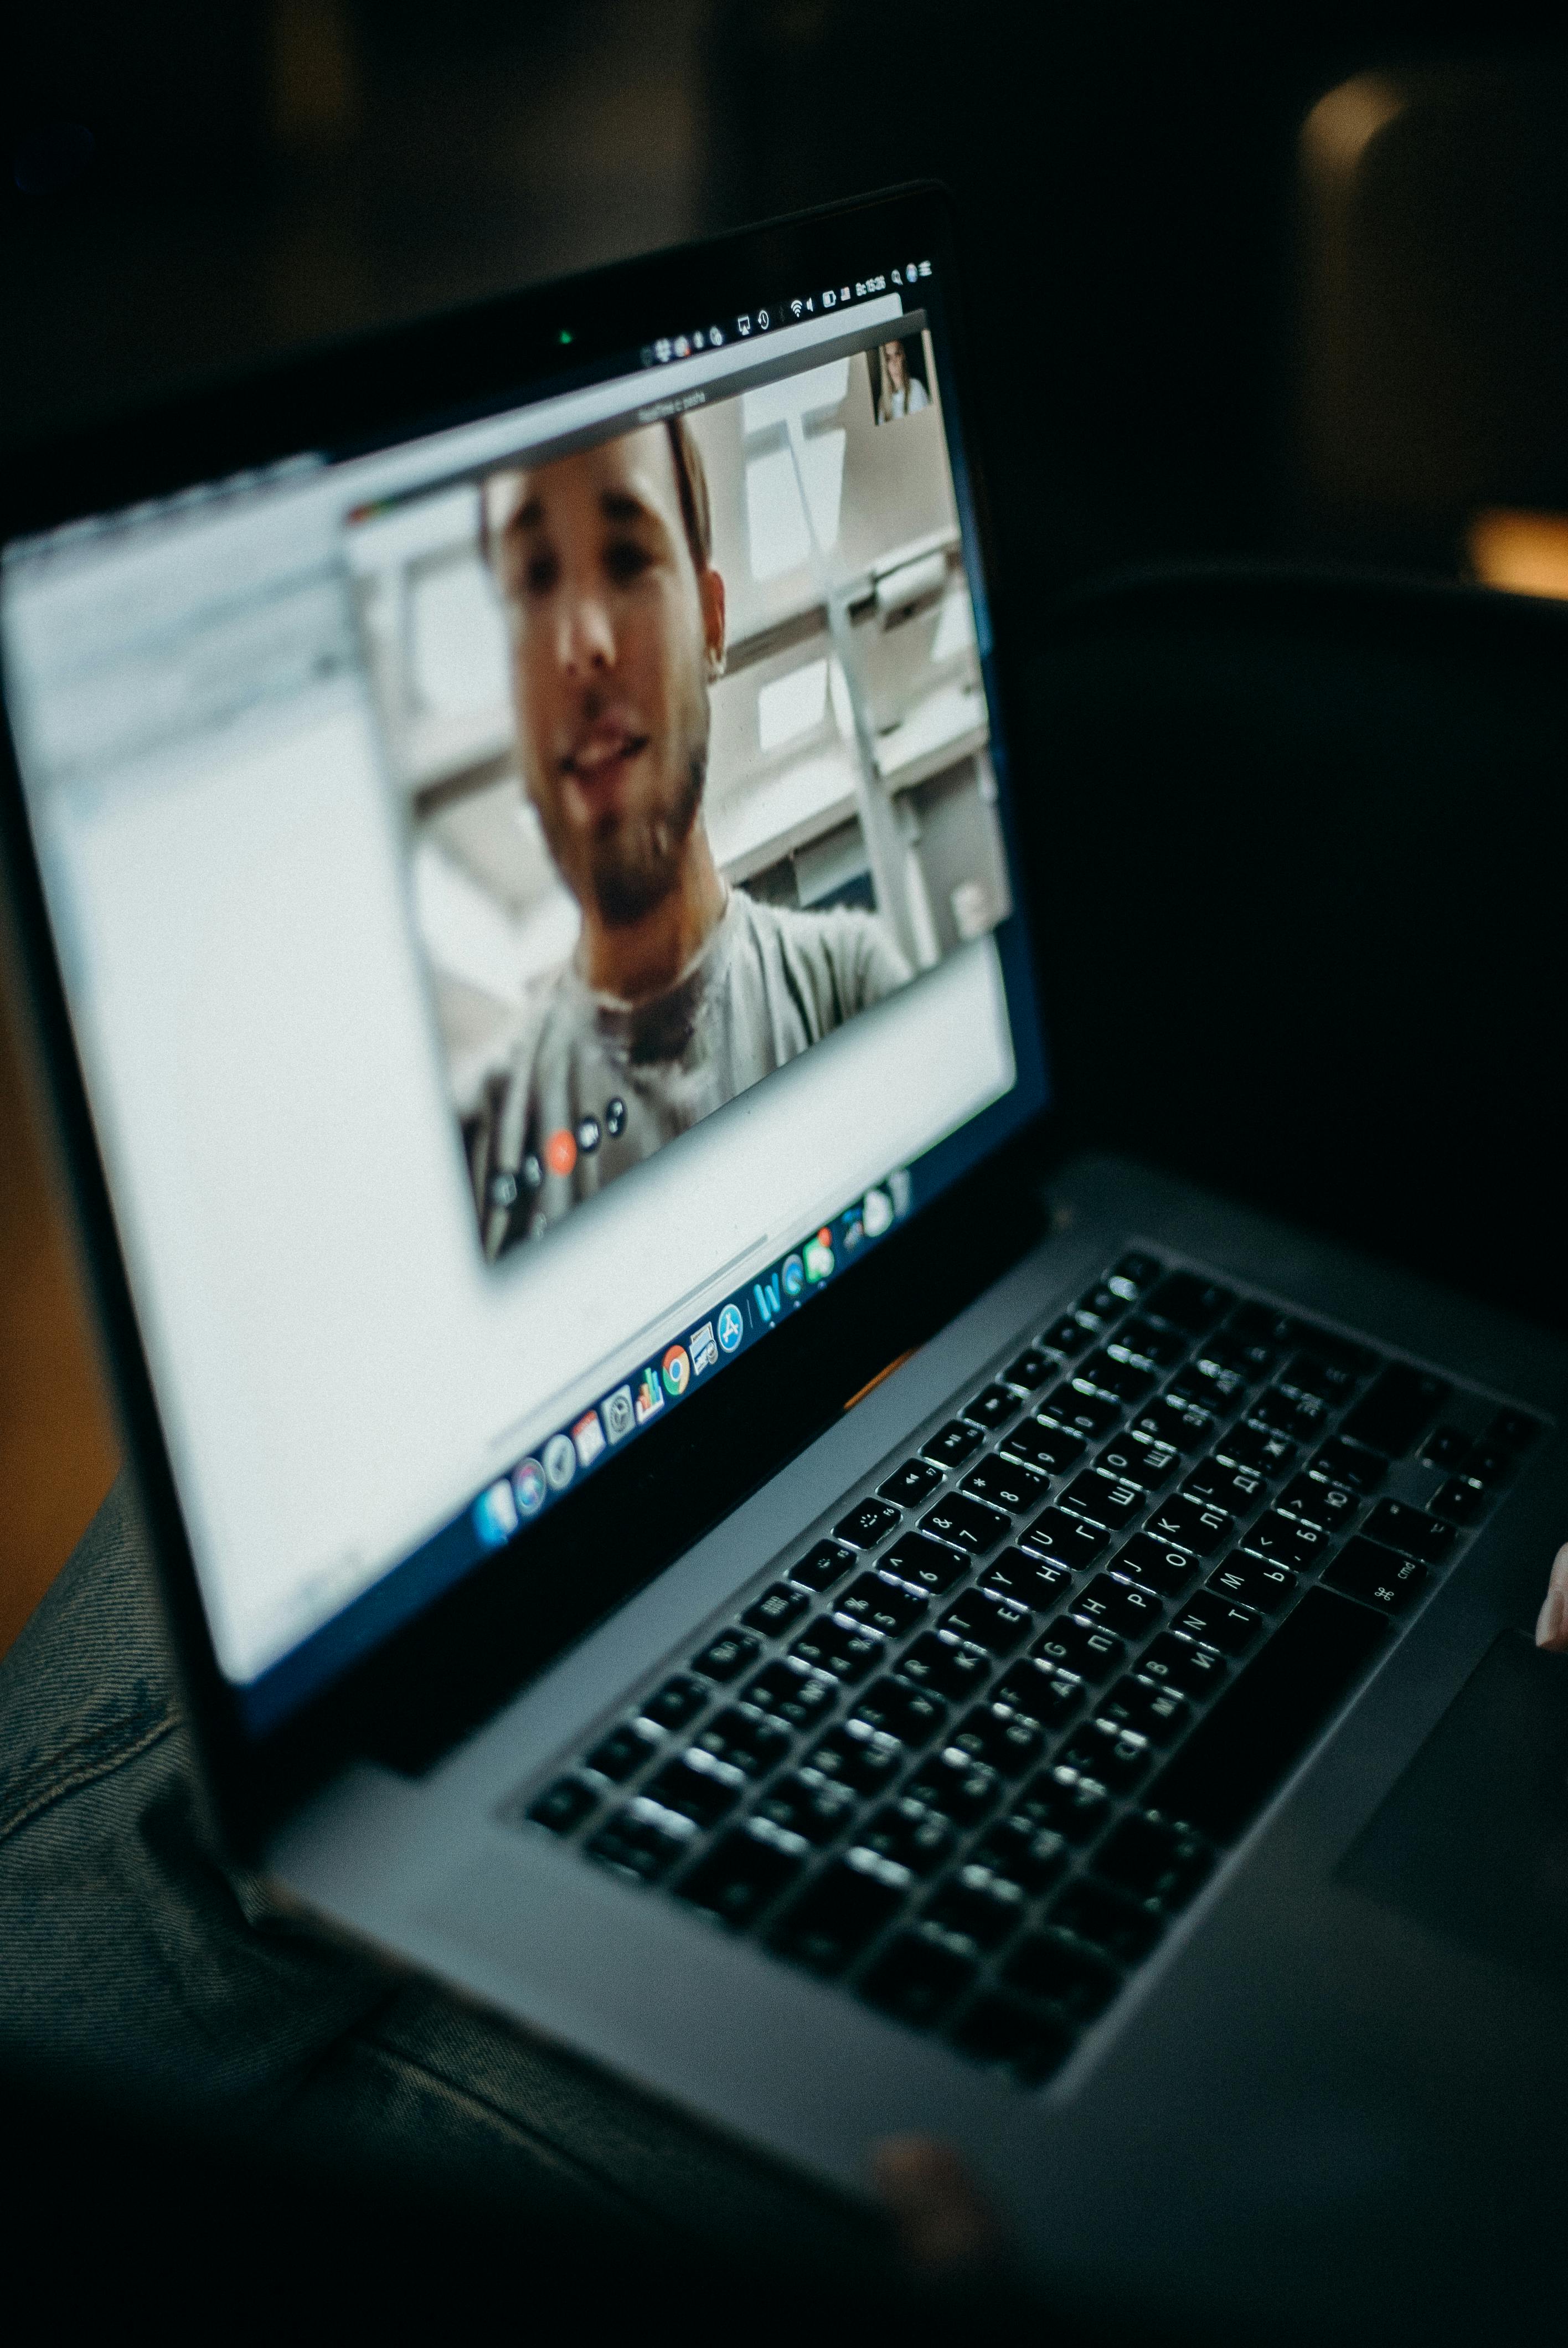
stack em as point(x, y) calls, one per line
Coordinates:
point(681, 1516)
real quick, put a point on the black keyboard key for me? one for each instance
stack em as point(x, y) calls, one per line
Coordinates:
point(1350, 1464)
point(1067, 1337)
point(1032, 1370)
point(981, 1620)
point(1085, 1648)
point(1255, 1582)
point(1233, 1365)
point(1285, 1540)
point(976, 1906)
point(917, 1980)
point(833, 1647)
point(1102, 1304)
point(1031, 1857)
point(867, 1523)
point(701, 1788)
point(835, 1916)
point(1262, 1325)
point(639, 1843)
point(1149, 1709)
point(914, 1715)
point(882, 1605)
point(1212, 1483)
point(1272, 1455)
point(1157, 1565)
point(1004, 1484)
point(1176, 1423)
point(957, 1672)
point(923, 1563)
point(1230, 1765)
point(910, 1834)
point(1218, 1623)
point(1106, 1499)
point(745, 1738)
point(1027, 1581)
point(1446, 1447)
point(1134, 1459)
point(1381, 1577)
point(1299, 1417)
point(812, 1808)
point(675, 1702)
point(1410, 1531)
point(563, 1805)
point(1191, 1525)
point(1151, 1860)
point(1081, 1411)
point(622, 1752)
point(1043, 1445)
point(1125, 1607)
point(966, 1524)
point(955, 1787)
point(1513, 1430)
point(826, 1565)
point(1134, 1274)
point(1110, 1756)
point(1197, 1671)
point(788, 1692)
point(1461, 1500)
point(857, 1755)
point(1146, 1341)
point(1210, 1386)
point(909, 1484)
point(1107, 1919)
point(1190, 1301)
point(953, 1443)
point(1327, 1506)
point(739, 1879)
point(1065, 1540)
point(730, 1654)
point(1400, 1406)
point(1003, 2034)
point(1340, 1354)
point(997, 1736)
point(775, 1610)
point(1332, 1383)
point(992, 1408)
point(1489, 1465)
point(1127, 1382)
point(1065, 1802)
point(1039, 1694)
point(1063, 1973)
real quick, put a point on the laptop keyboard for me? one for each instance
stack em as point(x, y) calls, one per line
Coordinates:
point(973, 1751)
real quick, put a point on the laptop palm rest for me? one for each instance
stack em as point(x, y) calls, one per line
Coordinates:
point(1472, 1841)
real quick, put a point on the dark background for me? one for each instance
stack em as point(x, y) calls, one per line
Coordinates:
point(1214, 333)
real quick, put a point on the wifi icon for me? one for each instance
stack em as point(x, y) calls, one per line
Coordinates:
point(795, 307)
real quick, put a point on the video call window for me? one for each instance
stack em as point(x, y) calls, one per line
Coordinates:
point(691, 750)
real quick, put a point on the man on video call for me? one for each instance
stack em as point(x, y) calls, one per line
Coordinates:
point(682, 991)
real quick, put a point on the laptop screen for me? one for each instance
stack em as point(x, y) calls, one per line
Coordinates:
point(536, 909)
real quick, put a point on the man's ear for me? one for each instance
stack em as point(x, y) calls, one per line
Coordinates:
point(710, 586)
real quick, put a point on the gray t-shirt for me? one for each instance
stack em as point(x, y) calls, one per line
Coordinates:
point(594, 1086)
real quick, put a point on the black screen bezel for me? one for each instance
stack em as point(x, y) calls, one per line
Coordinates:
point(461, 1658)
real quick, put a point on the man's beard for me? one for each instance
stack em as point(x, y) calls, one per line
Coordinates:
point(634, 862)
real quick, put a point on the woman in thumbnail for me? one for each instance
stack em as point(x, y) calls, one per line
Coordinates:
point(902, 394)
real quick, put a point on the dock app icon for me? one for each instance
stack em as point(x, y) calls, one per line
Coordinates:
point(704, 1348)
point(619, 1419)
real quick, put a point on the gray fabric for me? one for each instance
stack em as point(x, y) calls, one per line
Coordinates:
point(134, 1964)
point(769, 983)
